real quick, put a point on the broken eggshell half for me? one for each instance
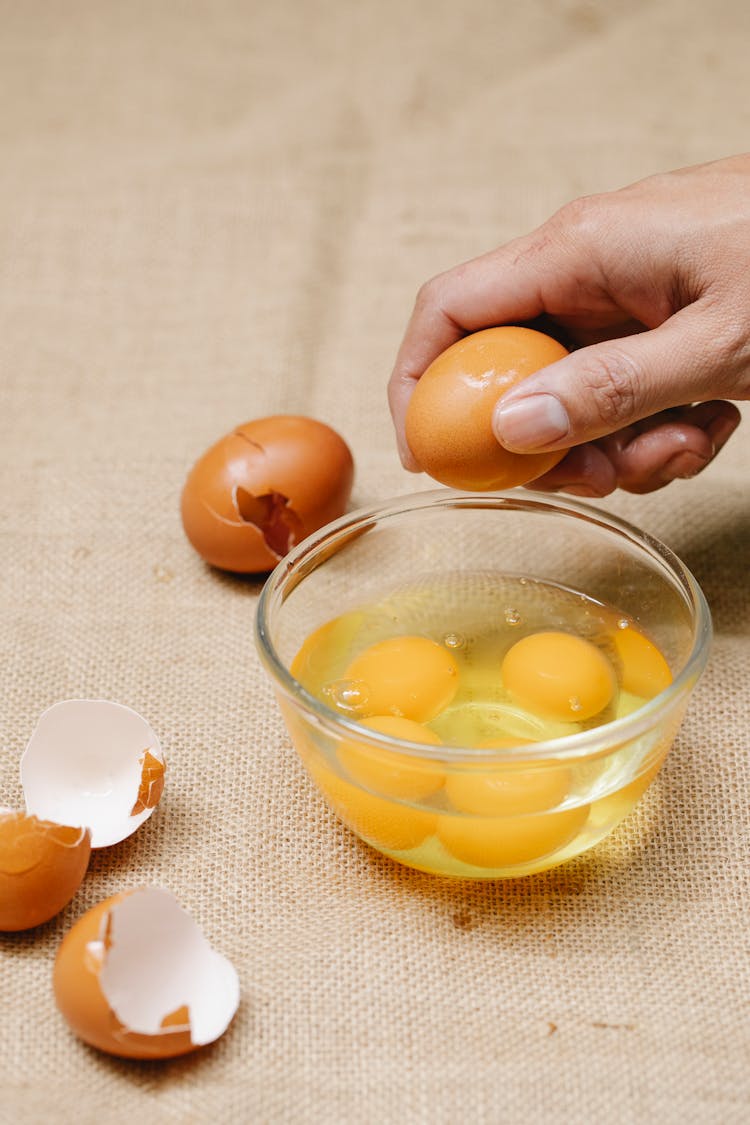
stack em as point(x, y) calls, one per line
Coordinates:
point(262, 488)
point(95, 763)
point(42, 865)
point(136, 977)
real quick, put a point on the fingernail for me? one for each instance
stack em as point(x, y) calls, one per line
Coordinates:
point(531, 423)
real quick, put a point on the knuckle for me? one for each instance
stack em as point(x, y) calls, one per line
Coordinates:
point(612, 379)
point(725, 345)
point(579, 218)
point(730, 341)
point(428, 294)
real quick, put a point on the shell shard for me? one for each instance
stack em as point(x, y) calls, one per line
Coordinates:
point(94, 763)
point(152, 784)
point(159, 963)
point(136, 977)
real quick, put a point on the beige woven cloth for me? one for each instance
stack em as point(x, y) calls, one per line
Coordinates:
point(211, 211)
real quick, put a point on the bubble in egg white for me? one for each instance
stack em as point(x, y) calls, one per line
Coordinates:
point(351, 696)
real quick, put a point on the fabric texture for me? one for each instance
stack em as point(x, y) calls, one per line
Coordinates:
point(214, 211)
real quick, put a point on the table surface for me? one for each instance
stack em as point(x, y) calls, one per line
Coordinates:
point(214, 211)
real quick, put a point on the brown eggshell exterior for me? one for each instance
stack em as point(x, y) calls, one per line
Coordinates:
point(301, 458)
point(81, 1001)
point(42, 866)
point(449, 418)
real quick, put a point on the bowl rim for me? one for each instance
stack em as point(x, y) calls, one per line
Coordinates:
point(305, 557)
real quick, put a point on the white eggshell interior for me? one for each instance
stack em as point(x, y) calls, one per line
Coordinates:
point(83, 766)
point(159, 961)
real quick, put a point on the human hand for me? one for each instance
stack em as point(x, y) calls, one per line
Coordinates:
point(650, 285)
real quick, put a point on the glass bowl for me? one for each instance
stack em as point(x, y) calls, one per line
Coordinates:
point(443, 565)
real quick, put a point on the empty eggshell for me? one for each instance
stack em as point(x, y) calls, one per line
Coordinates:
point(96, 763)
point(41, 867)
point(136, 977)
point(262, 488)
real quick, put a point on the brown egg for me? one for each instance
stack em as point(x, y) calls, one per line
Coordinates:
point(41, 867)
point(262, 488)
point(449, 418)
point(136, 978)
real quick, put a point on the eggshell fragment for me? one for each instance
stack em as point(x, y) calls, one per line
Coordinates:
point(41, 867)
point(152, 784)
point(136, 977)
point(262, 488)
point(96, 763)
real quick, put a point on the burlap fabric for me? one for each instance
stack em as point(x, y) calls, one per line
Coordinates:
point(213, 211)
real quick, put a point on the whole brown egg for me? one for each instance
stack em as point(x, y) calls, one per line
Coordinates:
point(262, 488)
point(449, 418)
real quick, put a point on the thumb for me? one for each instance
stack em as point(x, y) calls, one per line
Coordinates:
point(602, 388)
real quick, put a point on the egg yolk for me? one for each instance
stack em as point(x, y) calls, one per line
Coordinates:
point(387, 771)
point(510, 790)
point(383, 823)
point(559, 675)
point(501, 842)
point(645, 672)
point(411, 677)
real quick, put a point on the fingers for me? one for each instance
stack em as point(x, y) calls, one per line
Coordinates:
point(676, 444)
point(601, 389)
point(585, 471)
point(647, 461)
point(500, 287)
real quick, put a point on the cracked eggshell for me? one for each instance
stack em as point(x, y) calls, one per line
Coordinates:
point(96, 763)
point(42, 866)
point(262, 488)
point(136, 977)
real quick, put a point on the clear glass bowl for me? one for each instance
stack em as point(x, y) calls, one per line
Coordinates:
point(570, 791)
